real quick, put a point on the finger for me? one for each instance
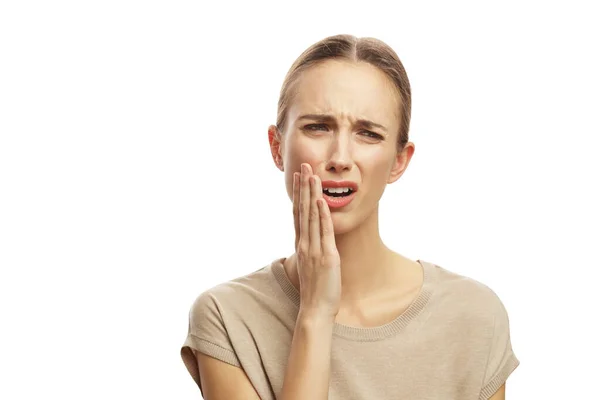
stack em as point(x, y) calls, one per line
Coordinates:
point(327, 233)
point(295, 201)
point(304, 207)
point(314, 219)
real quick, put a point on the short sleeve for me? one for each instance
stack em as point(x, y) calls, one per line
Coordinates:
point(501, 359)
point(207, 334)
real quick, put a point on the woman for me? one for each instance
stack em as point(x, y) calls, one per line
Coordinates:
point(345, 317)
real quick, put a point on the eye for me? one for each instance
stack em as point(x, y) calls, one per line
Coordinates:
point(312, 126)
point(317, 127)
point(373, 135)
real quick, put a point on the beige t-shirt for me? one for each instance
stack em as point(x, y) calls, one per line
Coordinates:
point(452, 342)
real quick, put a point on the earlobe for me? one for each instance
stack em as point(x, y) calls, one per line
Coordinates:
point(395, 174)
point(279, 161)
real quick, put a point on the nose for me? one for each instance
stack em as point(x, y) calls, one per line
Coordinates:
point(340, 157)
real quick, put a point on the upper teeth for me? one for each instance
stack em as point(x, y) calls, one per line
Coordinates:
point(337, 190)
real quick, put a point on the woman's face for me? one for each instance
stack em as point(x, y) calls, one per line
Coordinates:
point(338, 146)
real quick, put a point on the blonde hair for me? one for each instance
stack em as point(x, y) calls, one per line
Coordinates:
point(351, 48)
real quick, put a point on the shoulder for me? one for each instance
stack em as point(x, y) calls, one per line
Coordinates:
point(233, 296)
point(231, 321)
point(475, 315)
point(463, 288)
point(475, 321)
point(468, 297)
point(218, 315)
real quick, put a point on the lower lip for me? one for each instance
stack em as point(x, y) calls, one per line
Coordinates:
point(337, 202)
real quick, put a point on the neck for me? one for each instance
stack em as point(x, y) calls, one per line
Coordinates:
point(365, 260)
point(367, 265)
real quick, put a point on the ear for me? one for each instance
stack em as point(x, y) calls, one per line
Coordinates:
point(401, 162)
point(276, 145)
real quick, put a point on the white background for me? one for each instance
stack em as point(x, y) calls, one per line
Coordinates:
point(135, 173)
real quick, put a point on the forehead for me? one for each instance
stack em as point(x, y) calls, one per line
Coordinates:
point(348, 90)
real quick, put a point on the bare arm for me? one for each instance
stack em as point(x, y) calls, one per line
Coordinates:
point(223, 381)
point(500, 394)
point(309, 364)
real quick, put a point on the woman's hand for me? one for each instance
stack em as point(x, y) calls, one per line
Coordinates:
point(317, 256)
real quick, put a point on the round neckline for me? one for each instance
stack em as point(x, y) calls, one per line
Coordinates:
point(365, 333)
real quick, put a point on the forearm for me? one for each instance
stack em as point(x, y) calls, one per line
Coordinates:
point(309, 364)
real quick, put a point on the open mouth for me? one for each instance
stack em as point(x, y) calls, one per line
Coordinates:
point(338, 192)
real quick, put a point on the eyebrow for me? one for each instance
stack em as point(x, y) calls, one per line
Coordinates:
point(330, 119)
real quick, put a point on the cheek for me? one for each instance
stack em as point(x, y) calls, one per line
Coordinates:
point(302, 150)
point(377, 178)
point(381, 172)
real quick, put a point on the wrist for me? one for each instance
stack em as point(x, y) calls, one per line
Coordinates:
point(312, 317)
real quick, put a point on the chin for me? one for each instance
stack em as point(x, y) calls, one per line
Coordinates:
point(342, 223)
